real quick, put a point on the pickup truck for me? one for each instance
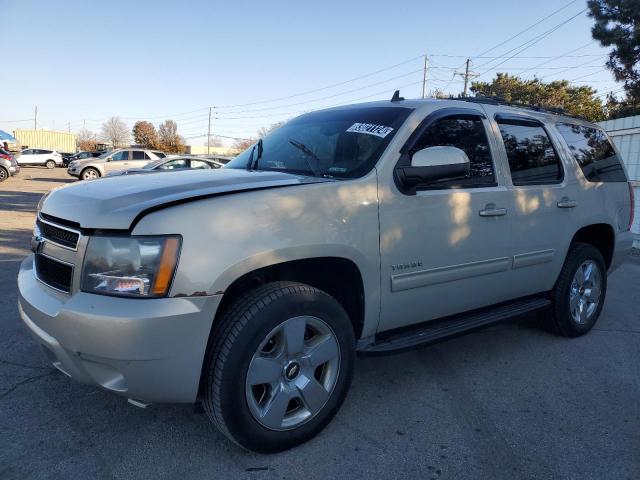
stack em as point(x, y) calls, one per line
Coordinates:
point(368, 228)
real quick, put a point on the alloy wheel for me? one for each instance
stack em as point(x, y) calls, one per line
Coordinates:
point(585, 291)
point(292, 373)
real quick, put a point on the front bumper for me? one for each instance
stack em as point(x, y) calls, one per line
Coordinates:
point(14, 170)
point(74, 172)
point(145, 349)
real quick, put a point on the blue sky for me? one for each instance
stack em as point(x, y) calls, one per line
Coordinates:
point(81, 62)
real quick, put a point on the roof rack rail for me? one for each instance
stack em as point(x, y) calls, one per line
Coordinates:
point(501, 101)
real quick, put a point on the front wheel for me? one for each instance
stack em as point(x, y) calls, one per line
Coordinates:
point(279, 366)
point(4, 174)
point(579, 293)
point(50, 164)
point(90, 174)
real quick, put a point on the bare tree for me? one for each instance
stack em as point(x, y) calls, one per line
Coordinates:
point(264, 131)
point(86, 140)
point(214, 142)
point(169, 138)
point(116, 132)
point(243, 143)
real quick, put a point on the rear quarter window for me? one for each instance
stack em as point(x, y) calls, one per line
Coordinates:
point(594, 153)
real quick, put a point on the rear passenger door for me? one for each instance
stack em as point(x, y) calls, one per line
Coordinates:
point(543, 202)
point(445, 247)
point(139, 159)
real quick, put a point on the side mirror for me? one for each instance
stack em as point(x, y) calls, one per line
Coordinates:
point(434, 163)
point(108, 159)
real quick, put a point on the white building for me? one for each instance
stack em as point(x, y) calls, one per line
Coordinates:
point(625, 133)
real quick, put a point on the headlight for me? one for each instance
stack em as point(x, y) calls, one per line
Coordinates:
point(130, 266)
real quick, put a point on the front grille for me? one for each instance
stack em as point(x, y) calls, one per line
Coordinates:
point(61, 236)
point(54, 273)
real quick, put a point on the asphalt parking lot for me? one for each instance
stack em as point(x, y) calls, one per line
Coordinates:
point(511, 401)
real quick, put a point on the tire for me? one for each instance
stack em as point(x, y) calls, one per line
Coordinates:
point(50, 164)
point(89, 173)
point(271, 313)
point(566, 317)
point(4, 174)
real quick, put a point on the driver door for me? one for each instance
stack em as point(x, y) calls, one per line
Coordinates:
point(445, 246)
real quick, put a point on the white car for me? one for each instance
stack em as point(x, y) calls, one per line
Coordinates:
point(39, 156)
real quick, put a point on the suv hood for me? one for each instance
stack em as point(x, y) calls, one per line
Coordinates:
point(118, 202)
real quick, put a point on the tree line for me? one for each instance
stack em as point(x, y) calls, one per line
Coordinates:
point(116, 133)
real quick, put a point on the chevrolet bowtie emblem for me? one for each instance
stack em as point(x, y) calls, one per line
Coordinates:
point(36, 243)
point(36, 240)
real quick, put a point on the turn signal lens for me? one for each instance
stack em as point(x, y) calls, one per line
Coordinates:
point(168, 262)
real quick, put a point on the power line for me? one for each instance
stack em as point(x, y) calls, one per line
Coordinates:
point(528, 44)
point(584, 65)
point(558, 57)
point(527, 29)
point(321, 88)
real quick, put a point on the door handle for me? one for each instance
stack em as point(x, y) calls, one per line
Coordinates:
point(490, 210)
point(566, 202)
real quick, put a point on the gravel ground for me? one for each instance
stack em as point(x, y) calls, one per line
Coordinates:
point(511, 401)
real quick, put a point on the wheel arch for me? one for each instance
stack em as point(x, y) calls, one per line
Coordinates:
point(337, 276)
point(601, 236)
point(92, 168)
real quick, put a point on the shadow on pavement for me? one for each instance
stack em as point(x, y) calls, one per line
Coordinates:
point(19, 201)
point(14, 243)
point(52, 180)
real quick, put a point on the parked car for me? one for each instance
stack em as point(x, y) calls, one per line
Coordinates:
point(39, 156)
point(79, 156)
point(122, 158)
point(368, 228)
point(171, 164)
point(8, 165)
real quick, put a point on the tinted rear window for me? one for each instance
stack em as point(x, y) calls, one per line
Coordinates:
point(593, 152)
point(532, 158)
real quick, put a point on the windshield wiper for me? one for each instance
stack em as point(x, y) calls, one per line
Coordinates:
point(251, 165)
point(304, 149)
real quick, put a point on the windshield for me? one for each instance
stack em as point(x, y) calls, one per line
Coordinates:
point(344, 143)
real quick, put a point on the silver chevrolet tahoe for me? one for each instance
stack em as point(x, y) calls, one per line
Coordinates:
point(368, 228)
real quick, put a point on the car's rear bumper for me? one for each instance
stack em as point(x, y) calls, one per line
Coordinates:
point(622, 249)
point(144, 349)
point(14, 170)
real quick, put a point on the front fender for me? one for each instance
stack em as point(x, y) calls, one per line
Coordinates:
point(229, 236)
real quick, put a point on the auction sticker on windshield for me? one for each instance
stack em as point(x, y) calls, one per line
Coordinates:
point(370, 129)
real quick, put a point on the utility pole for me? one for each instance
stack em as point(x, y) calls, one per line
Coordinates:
point(35, 119)
point(69, 127)
point(209, 133)
point(425, 76)
point(467, 75)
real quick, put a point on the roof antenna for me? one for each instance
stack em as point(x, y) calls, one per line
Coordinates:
point(396, 96)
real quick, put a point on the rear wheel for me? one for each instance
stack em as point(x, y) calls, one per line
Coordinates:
point(90, 174)
point(4, 174)
point(50, 164)
point(279, 366)
point(579, 293)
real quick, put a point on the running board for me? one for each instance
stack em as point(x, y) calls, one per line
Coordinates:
point(451, 326)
